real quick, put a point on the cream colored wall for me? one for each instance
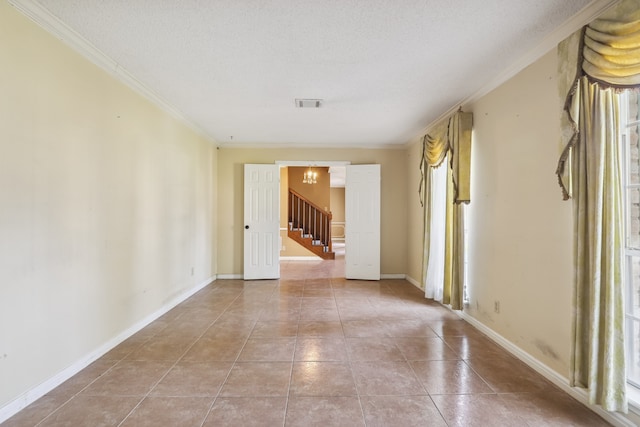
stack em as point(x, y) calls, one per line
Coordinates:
point(415, 215)
point(230, 199)
point(337, 195)
point(520, 230)
point(337, 203)
point(520, 250)
point(106, 207)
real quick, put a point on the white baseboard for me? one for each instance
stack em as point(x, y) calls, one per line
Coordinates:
point(562, 382)
point(414, 282)
point(393, 276)
point(30, 396)
point(300, 258)
point(229, 276)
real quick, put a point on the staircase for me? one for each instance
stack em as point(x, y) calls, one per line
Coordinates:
point(310, 225)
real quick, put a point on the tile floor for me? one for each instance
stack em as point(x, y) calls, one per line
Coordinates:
point(311, 349)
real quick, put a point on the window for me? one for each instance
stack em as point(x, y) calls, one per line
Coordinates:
point(630, 120)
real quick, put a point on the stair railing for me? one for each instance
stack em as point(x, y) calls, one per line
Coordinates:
point(310, 219)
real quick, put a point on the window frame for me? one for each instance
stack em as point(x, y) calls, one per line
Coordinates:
point(629, 252)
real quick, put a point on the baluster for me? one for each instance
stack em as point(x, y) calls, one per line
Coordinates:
point(298, 216)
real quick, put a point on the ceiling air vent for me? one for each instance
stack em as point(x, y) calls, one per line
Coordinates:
point(308, 103)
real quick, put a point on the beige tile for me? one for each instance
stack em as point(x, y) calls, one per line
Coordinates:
point(473, 346)
point(37, 411)
point(405, 411)
point(363, 328)
point(320, 329)
point(186, 327)
point(408, 328)
point(129, 378)
point(199, 315)
point(321, 350)
point(325, 314)
point(361, 314)
point(550, 408)
point(94, 411)
point(126, 347)
point(267, 379)
point(247, 412)
point(215, 349)
point(324, 411)
point(449, 377)
point(268, 350)
point(380, 349)
point(322, 379)
point(83, 378)
point(455, 328)
point(235, 321)
point(506, 374)
point(193, 379)
point(386, 379)
point(416, 348)
point(280, 314)
point(318, 283)
point(476, 410)
point(264, 329)
point(169, 348)
point(169, 411)
point(304, 317)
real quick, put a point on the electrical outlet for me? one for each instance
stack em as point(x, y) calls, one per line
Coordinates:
point(496, 306)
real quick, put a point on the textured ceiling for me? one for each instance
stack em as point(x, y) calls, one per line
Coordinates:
point(384, 68)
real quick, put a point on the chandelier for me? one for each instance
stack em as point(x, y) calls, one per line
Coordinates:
point(310, 177)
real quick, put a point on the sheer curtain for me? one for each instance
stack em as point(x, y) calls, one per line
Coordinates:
point(589, 172)
point(434, 283)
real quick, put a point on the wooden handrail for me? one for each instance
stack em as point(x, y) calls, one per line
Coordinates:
point(328, 213)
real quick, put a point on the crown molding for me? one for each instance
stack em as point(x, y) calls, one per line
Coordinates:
point(346, 146)
point(53, 25)
point(551, 40)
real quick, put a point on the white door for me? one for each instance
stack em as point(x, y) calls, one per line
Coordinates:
point(362, 218)
point(261, 222)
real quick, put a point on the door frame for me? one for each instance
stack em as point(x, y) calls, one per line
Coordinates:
point(312, 163)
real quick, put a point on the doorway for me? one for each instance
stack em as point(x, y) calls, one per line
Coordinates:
point(327, 193)
point(362, 220)
point(359, 196)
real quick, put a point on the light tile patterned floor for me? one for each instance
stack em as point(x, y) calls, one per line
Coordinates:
point(311, 349)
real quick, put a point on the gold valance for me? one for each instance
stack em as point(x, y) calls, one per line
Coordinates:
point(611, 46)
point(435, 149)
point(450, 137)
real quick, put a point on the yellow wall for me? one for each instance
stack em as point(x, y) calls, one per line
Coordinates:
point(230, 199)
point(106, 208)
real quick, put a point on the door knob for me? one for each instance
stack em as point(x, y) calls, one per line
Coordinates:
point(246, 227)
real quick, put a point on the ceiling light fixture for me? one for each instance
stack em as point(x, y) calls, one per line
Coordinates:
point(310, 177)
point(308, 103)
